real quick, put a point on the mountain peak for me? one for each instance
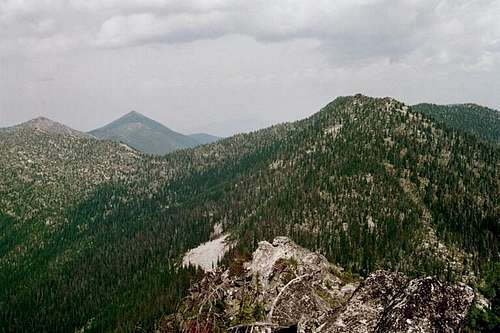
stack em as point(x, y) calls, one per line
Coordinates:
point(134, 116)
point(41, 119)
point(354, 103)
point(47, 125)
point(134, 113)
point(144, 134)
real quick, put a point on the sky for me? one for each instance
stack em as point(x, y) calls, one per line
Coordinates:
point(227, 66)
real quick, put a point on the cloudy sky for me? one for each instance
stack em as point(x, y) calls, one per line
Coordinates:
point(224, 66)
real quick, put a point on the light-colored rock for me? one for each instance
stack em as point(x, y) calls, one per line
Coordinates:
point(368, 303)
point(333, 130)
point(207, 255)
point(282, 248)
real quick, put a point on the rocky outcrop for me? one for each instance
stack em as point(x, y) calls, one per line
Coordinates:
point(286, 288)
point(298, 287)
point(367, 305)
point(427, 305)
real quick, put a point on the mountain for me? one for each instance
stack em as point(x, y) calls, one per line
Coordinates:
point(144, 134)
point(51, 127)
point(474, 119)
point(46, 167)
point(204, 138)
point(369, 183)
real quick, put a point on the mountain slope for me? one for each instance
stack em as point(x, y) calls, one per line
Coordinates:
point(471, 118)
point(42, 169)
point(367, 182)
point(204, 138)
point(144, 134)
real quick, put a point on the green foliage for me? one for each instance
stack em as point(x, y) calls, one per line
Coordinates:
point(487, 320)
point(480, 320)
point(250, 311)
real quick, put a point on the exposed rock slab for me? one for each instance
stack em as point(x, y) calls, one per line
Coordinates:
point(427, 305)
point(286, 288)
point(368, 303)
point(207, 255)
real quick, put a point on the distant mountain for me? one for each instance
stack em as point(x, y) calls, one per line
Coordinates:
point(144, 134)
point(204, 138)
point(51, 127)
point(474, 119)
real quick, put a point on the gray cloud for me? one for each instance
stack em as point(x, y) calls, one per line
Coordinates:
point(12, 10)
point(441, 31)
point(146, 54)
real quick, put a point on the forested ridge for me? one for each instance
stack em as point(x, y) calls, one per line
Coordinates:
point(369, 183)
point(474, 119)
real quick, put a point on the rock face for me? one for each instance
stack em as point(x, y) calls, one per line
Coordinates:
point(368, 303)
point(427, 305)
point(297, 287)
point(286, 288)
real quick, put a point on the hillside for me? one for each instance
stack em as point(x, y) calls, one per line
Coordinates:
point(369, 183)
point(41, 174)
point(43, 171)
point(144, 134)
point(471, 118)
point(204, 138)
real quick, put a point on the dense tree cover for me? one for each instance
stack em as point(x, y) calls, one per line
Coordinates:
point(470, 118)
point(487, 320)
point(367, 182)
point(42, 173)
point(100, 271)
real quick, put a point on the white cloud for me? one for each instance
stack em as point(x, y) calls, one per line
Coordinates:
point(141, 5)
point(144, 28)
point(11, 10)
point(52, 43)
point(45, 26)
point(348, 31)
